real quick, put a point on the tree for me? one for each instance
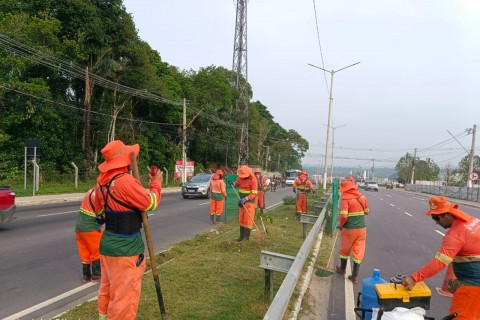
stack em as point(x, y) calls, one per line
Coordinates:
point(404, 168)
point(464, 166)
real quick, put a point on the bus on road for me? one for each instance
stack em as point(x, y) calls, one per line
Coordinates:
point(290, 176)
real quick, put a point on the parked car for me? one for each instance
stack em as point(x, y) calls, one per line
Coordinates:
point(7, 204)
point(198, 186)
point(371, 185)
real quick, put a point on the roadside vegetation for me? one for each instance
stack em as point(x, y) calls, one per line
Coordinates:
point(211, 276)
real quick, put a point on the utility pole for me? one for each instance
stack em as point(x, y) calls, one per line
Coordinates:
point(266, 158)
point(373, 169)
point(332, 73)
point(333, 148)
point(472, 155)
point(413, 166)
point(184, 140)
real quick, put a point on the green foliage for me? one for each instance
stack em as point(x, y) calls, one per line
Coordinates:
point(43, 101)
point(426, 170)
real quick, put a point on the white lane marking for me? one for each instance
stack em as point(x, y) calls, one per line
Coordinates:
point(392, 205)
point(50, 301)
point(202, 204)
point(440, 233)
point(381, 198)
point(408, 214)
point(389, 195)
point(56, 214)
point(349, 297)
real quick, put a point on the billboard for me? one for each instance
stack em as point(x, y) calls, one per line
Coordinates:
point(190, 168)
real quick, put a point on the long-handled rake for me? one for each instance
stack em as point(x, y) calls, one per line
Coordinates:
point(259, 233)
point(151, 251)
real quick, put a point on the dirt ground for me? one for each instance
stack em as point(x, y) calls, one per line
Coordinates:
point(315, 302)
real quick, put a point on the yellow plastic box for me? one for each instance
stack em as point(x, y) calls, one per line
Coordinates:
point(392, 295)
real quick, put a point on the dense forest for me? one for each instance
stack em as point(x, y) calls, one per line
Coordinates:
point(74, 74)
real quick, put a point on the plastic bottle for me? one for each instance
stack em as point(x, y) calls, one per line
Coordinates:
point(369, 295)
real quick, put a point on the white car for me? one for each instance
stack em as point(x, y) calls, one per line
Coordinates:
point(371, 185)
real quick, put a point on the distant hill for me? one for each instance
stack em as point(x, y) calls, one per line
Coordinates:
point(345, 172)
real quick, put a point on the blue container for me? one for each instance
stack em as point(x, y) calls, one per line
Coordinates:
point(369, 295)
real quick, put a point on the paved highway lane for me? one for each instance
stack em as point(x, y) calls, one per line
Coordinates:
point(39, 254)
point(401, 238)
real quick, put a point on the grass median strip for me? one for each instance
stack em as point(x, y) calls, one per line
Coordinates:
point(211, 276)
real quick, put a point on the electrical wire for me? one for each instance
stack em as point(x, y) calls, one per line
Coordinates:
point(320, 44)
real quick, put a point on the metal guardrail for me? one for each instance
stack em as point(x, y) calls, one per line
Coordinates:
point(282, 298)
point(463, 193)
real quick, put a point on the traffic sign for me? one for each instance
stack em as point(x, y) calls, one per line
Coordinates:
point(473, 176)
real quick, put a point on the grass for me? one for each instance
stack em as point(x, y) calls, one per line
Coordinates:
point(211, 276)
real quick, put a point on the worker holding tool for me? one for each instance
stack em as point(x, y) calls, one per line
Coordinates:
point(121, 198)
point(461, 247)
point(88, 233)
point(301, 187)
point(248, 190)
point(262, 188)
point(218, 193)
point(353, 208)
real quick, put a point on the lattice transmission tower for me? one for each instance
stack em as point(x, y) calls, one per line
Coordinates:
point(240, 81)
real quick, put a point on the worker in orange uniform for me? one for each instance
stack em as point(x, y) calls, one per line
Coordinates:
point(218, 193)
point(461, 248)
point(248, 189)
point(121, 198)
point(262, 188)
point(301, 187)
point(353, 208)
point(88, 233)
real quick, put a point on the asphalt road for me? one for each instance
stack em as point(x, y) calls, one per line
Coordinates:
point(400, 239)
point(40, 271)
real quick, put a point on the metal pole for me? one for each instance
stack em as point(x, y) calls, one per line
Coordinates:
point(25, 171)
point(76, 174)
point(184, 138)
point(333, 147)
point(325, 165)
point(166, 178)
point(472, 155)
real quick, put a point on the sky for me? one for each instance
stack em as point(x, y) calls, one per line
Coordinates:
point(417, 84)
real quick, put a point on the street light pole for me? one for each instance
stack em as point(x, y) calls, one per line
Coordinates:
point(332, 73)
point(333, 148)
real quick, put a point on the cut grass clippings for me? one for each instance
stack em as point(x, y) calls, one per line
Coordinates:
point(211, 276)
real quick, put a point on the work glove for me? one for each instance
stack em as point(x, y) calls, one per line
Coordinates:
point(100, 219)
point(242, 201)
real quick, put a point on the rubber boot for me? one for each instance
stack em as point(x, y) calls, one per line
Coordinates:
point(241, 234)
point(96, 270)
point(246, 234)
point(87, 275)
point(354, 276)
point(341, 268)
point(219, 218)
point(212, 219)
point(261, 211)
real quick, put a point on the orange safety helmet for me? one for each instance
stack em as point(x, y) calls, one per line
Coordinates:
point(258, 170)
point(244, 171)
point(220, 172)
point(304, 173)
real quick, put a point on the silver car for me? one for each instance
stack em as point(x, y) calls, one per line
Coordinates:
point(371, 185)
point(198, 186)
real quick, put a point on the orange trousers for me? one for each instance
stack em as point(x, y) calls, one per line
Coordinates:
point(353, 240)
point(246, 214)
point(465, 303)
point(120, 287)
point(88, 244)
point(301, 204)
point(261, 199)
point(216, 207)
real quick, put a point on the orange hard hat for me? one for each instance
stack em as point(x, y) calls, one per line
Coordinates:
point(304, 173)
point(244, 171)
point(258, 170)
point(219, 172)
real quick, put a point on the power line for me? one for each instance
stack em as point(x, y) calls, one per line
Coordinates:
point(320, 44)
